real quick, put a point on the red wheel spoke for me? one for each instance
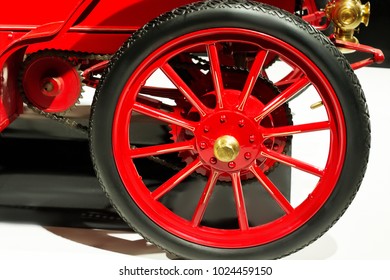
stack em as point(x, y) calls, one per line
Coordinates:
point(286, 82)
point(293, 162)
point(204, 199)
point(240, 202)
point(291, 78)
point(175, 180)
point(184, 89)
point(283, 97)
point(272, 189)
point(295, 129)
point(216, 72)
point(252, 78)
point(163, 116)
point(162, 149)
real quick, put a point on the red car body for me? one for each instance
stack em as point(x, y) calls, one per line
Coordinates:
point(86, 24)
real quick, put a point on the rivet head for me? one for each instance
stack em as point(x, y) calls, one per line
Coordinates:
point(213, 160)
point(241, 123)
point(252, 138)
point(248, 155)
point(232, 164)
point(206, 129)
point(203, 145)
point(223, 119)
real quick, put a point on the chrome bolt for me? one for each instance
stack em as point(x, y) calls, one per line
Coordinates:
point(232, 164)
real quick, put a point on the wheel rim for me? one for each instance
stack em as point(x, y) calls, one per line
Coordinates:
point(236, 120)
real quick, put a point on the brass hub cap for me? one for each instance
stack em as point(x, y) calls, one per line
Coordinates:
point(226, 148)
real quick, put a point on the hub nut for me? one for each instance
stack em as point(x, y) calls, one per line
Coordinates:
point(226, 148)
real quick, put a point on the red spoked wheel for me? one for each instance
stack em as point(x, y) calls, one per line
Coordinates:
point(229, 130)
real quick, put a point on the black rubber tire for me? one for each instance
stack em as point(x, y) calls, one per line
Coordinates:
point(255, 16)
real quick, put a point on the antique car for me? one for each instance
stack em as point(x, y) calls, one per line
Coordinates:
point(220, 129)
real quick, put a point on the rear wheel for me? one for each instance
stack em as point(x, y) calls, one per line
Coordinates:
point(185, 149)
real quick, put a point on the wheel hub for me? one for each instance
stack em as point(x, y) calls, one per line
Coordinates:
point(263, 93)
point(52, 86)
point(228, 141)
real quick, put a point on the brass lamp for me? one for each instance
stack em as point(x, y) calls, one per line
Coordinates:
point(347, 15)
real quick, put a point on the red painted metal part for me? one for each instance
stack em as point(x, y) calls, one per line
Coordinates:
point(315, 16)
point(108, 22)
point(106, 13)
point(51, 84)
point(49, 30)
point(310, 6)
point(316, 19)
point(10, 101)
point(377, 55)
point(212, 123)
